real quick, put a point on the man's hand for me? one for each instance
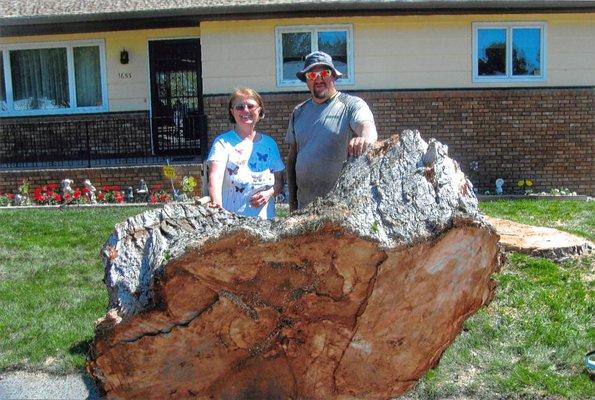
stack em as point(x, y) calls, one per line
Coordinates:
point(366, 135)
point(357, 146)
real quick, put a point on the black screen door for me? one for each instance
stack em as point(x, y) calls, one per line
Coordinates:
point(176, 97)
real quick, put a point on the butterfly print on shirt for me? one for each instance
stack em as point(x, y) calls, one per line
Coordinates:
point(240, 189)
point(262, 157)
point(233, 171)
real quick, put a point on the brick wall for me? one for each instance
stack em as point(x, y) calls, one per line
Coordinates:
point(546, 135)
point(122, 176)
point(58, 138)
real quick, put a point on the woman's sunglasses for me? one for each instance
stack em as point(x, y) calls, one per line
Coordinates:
point(242, 107)
point(325, 73)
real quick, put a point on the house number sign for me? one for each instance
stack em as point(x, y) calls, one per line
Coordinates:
point(125, 75)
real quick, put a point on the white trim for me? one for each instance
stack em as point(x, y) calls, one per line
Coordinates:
point(313, 30)
point(68, 45)
point(509, 27)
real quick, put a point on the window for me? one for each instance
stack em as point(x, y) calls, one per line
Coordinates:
point(294, 43)
point(52, 78)
point(508, 52)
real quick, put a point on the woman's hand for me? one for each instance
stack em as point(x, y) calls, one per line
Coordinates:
point(261, 198)
point(215, 204)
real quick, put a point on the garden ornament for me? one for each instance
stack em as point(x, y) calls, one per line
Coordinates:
point(90, 191)
point(499, 184)
point(129, 194)
point(142, 187)
point(66, 189)
point(142, 191)
point(18, 199)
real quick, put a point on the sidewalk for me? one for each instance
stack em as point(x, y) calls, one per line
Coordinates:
point(22, 385)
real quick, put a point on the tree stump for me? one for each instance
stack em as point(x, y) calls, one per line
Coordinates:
point(354, 297)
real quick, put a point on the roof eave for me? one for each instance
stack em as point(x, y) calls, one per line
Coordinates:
point(301, 9)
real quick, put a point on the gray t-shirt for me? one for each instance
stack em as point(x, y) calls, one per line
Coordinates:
point(322, 132)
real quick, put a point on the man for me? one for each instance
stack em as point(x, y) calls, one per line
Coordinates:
point(323, 131)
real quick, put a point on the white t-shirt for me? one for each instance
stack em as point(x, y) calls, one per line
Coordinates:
point(249, 168)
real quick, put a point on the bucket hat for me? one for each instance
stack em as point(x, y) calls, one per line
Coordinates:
point(317, 58)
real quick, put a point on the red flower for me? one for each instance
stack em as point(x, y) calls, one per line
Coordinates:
point(116, 188)
point(85, 190)
point(76, 194)
point(100, 196)
point(163, 197)
point(51, 187)
point(38, 195)
point(153, 199)
point(105, 188)
point(57, 198)
point(119, 198)
point(10, 196)
point(67, 197)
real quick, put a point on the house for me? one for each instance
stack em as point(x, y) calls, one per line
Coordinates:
point(112, 90)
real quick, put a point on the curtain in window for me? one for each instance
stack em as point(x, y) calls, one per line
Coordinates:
point(39, 79)
point(87, 76)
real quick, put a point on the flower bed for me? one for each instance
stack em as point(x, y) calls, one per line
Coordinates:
point(53, 194)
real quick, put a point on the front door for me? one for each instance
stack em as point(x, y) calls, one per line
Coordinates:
point(177, 121)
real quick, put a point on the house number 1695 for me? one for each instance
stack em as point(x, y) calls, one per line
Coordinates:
point(125, 75)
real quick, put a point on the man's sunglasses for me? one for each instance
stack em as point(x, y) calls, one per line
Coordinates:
point(325, 73)
point(242, 107)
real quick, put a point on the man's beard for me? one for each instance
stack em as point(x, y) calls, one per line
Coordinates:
point(321, 93)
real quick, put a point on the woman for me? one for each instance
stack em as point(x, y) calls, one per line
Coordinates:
point(245, 167)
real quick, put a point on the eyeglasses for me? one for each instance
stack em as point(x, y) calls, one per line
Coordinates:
point(242, 107)
point(324, 73)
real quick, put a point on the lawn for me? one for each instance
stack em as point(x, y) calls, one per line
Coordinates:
point(528, 343)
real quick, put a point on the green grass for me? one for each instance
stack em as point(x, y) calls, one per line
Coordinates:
point(51, 287)
point(573, 216)
point(528, 343)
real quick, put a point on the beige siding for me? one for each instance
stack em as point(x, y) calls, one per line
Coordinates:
point(127, 85)
point(407, 52)
point(571, 45)
point(399, 52)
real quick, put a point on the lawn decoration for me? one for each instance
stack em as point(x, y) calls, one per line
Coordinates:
point(130, 195)
point(66, 189)
point(89, 191)
point(142, 191)
point(356, 296)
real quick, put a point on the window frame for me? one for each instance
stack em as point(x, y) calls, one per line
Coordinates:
point(313, 30)
point(69, 46)
point(509, 27)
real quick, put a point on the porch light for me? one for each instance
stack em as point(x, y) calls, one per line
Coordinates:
point(124, 57)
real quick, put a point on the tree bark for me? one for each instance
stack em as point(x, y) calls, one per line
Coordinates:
point(356, 296)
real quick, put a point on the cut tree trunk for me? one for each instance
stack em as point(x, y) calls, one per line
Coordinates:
point(356, 296)
point(540, 241)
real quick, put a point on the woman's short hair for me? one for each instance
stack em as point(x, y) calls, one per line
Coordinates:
point(245, 92)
